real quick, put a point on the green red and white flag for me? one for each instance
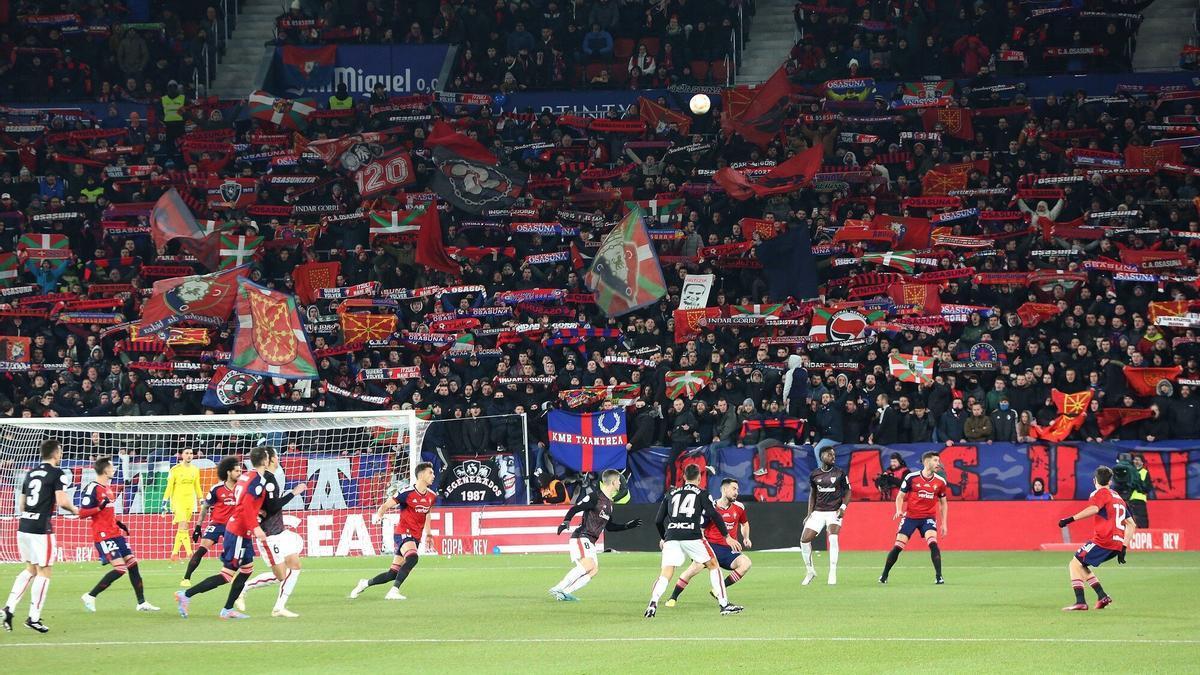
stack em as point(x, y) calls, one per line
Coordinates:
point(756, 310)
point(910, 368)
point(396, 223)
point(625, 274)
point(238, 250)
point(270, 339)
point(905, 261)
point(659, 212)
point(833, 324)
point(686, 383)
point(9, 263)
point(282, 112)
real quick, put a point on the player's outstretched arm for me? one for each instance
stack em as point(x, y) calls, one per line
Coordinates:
point(610, 526)
point(588, 503)
point(1087, 512)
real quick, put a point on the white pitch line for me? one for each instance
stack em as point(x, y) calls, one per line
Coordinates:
point(798, 566)
point(576, 641)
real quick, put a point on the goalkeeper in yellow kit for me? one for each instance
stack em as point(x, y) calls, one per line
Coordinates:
point(180, 498)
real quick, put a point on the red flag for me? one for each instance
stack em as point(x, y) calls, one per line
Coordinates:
point(762, 118)
point(1145, 381)
point(1072, 411)
point(270, 340)
point(171, 219)
point(365, 326)
point(789, 176)
point(911, 232)
point(206, 299)
point(431, 250)
point(312, 276)
point(1142, 157)
point(652, 114)
point(1111, 419)
point(445, 136)
point(687, 322)
point(1033, 313)
point(923, 296)
point(956, 122)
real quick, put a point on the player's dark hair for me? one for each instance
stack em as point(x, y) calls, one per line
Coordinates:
point(225, 466)
point(610, 474)
point(930, 454)
point(101, 464)
point(1103, 475)
point(422, 466)
point(261, 455)
point(691, 473)
point(727, 481)
point(49, 447)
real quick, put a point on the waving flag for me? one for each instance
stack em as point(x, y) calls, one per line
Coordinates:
point(762, 118)
point(15, 348)
point(1169, 308)
point(1072, 411)
point(956, 122)
point(905, 261)
point(660, 212)
point(171, 219)
point(230, 388)
point(589, 441)
point(310, 277)
point(840, 325)
point(625, 274)
point(283, 113)
point(469, 176)
point(1033, 313)
point(1111, 419)
point(922, 296)
point(365, 326)
point(40, 248)
point(1145, 381)
point(205, 299)
point(789, 176)
point(238, 250)
point(396, 223)
point(307, 67)
point(8, 268)
point(910, 368)
point(654, 114)
point(270, 340)
point(756, 310)
point(686, 382)
point(788, 265)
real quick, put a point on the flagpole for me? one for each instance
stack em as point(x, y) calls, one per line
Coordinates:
point(528, 471)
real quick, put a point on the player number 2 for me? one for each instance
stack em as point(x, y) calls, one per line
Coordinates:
point(683, 504)
point(35, 492)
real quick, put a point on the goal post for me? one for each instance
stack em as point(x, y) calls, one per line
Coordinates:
point(351, 460)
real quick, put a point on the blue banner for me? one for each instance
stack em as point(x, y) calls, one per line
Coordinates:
point(584, 103)
point(997, 471)
point(401, 69)
point(589, 441)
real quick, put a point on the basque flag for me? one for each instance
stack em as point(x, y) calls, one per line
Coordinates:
point(589, 441)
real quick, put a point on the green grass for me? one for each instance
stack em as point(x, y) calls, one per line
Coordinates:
point(492, 614)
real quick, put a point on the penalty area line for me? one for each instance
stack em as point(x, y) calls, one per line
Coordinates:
point(576, 641)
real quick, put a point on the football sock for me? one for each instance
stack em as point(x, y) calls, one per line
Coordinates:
point(935, 554)
point(215, 581)
point(571, 577)
point(37, 597)
point(806, 551)
point(264, 579)
point(732, 579)
point(833, 550)
point(385, 577)
point(1077, 586)
point(20, 585)
point(195, 561)
point(679, 586)
point(410, 561)
point(135, 580)
point(718, 586)
point(239, 582)
point(105, 582)
point(1095, 584)
point(660, 587)
point(579, 583)
point(892, 556)
point(286, 588)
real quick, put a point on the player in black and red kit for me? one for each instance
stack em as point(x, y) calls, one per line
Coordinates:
point(43, 492)
point(733, 513)
point(108, 533)
point(411, 530)
point(921, 503)
point(1112, 528)
point(218, 505)
point(237, 550)
point(596, 507)
point(828, 497)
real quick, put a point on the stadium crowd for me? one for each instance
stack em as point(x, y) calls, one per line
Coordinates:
point(1030, 315)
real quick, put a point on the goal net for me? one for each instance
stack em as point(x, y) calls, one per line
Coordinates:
point(350, 461)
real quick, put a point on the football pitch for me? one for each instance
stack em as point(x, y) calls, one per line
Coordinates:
point(997, 611)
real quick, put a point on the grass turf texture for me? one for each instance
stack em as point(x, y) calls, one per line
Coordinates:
point(492, 614)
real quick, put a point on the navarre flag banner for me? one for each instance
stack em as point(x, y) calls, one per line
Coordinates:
point(270, 339)
point(309, 278)
point(1072, 411)
point(656, 116)
point(795, 173)
point(589, 441)
point(206, 299)
point(1145, 381)
point(365, 326)
point(231, 389)
point(1111, 419)
point(910, 368)
point(625, 274)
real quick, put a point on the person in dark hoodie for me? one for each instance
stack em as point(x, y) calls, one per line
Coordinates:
point(950, 424)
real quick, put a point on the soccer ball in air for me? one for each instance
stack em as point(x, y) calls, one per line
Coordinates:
point(700, 104)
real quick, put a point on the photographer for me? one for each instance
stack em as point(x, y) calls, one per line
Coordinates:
point(1141, 487)
point(890, 480)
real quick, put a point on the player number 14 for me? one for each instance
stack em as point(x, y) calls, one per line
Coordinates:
point(683, 503)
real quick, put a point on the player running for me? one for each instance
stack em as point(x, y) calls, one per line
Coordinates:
point(43, 492)
point(922, 496)
point(596, 507)
point(98, 497)
point(236, 552)
point(218, 505)
point(733, 513)
point(412, 529)
point(828, 497)
point(179, 500)
point(1113, 526)
point(281, 548)
point(679, 520)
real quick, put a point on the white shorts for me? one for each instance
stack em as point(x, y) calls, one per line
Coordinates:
point(675, 552)
point(582, 547)
point(37, 549)
point(280, 546)
point(819, 520)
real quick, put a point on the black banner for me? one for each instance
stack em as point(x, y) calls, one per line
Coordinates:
point(477, 480)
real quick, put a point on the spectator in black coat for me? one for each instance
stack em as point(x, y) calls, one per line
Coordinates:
point(1004, 422)
point(950, 424)
point(885, 423)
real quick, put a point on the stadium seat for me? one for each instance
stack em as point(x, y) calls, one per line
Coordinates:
point(623, 49)
point(699, 69)
point(718, 71)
